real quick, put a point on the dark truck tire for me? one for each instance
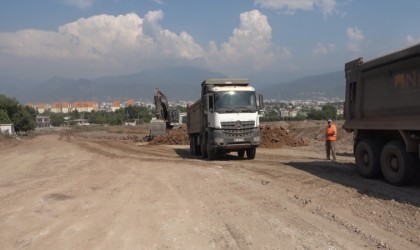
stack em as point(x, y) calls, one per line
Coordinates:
point(211, 153)
point(250, 153)
point(398, 166)
point(203, 147)
point(192, 146)
point(241, 153)
point(367, 156)
point(194, 149)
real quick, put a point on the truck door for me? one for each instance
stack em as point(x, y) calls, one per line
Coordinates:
point(208, 110)
point(205, 111)
point(211, 116)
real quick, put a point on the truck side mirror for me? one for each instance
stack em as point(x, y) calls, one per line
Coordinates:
point(260, 101)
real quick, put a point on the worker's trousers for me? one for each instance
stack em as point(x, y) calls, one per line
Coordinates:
point(330, 149)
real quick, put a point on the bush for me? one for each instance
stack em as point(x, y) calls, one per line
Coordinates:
point(13, 112)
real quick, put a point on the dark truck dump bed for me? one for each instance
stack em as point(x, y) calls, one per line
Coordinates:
point(384, 93)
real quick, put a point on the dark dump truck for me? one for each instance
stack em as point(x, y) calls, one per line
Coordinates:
point(382, 108)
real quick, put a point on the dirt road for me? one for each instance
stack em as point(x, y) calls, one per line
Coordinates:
point(65, 192)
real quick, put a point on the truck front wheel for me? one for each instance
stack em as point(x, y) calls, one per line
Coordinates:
point(397, 165)
point(203, 148)
point(367, 156)
point(211, 154)
point(250, 153)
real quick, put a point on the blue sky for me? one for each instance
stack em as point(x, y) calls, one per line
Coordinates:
point(93, 38)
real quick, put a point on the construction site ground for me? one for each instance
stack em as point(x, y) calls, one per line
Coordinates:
point(108, 188)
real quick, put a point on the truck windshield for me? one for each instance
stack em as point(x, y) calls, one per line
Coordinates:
point(235, 101)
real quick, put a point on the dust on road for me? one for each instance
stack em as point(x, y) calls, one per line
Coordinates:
point(60, 191)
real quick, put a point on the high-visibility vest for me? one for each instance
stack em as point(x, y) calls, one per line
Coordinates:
point(331, 133)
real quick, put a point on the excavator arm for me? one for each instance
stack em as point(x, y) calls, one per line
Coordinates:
point(162, 111)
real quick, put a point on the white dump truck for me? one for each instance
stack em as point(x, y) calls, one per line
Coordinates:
point(225, 119)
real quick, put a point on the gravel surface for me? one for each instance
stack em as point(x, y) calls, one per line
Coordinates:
point(62, 191)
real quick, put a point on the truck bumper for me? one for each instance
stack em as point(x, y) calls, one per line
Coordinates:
point(219, 140)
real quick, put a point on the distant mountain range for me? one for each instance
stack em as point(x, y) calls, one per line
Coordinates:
point(177, 83)
point(319, 87)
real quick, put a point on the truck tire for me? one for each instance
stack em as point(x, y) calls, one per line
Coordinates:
point(367, 156)
point(241, 153)
point(250, 153)
point(203, 148)
point(397, 165)
point(211, 154)
point(192, 146)
point(194, 149)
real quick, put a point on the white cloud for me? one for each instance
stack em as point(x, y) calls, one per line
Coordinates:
point(355, 38)
point(412, 40)
point(157, 1)
point(106, 44)
point(324, 49)
point(82, 4)
point(327, 7)
point(249, 47)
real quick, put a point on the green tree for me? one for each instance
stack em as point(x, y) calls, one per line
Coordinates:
point(4, 118)
point(23, 121)
point(31, 111)
point(100, 118)
point(56, 119)
point(328, 111)
point(134, 112)
point(9, 105)
point(17, 114)
point(181, 109)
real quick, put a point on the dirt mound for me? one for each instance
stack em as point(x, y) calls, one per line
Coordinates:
point(271, 137)
point(9, 141)
point(314, 133)
point(276, 137)
point(172, 137)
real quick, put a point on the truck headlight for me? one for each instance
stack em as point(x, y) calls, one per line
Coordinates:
point(256, 138)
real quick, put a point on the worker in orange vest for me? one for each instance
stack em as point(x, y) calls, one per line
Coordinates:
point(330, 137)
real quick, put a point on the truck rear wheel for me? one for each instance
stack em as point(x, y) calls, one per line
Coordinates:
point(192, 146)
point(250, 153)
point(367, 156)
point(397, 165)
point(203, 148)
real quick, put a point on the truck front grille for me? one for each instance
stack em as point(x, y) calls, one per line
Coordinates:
point(238, 128)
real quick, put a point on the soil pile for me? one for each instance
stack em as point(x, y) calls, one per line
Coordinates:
point(271, 137)
point(9, 141)
point(276, 137)
point(172, 137)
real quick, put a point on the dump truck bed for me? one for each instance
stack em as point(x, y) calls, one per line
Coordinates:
point(194, 117)
point(384, 93)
